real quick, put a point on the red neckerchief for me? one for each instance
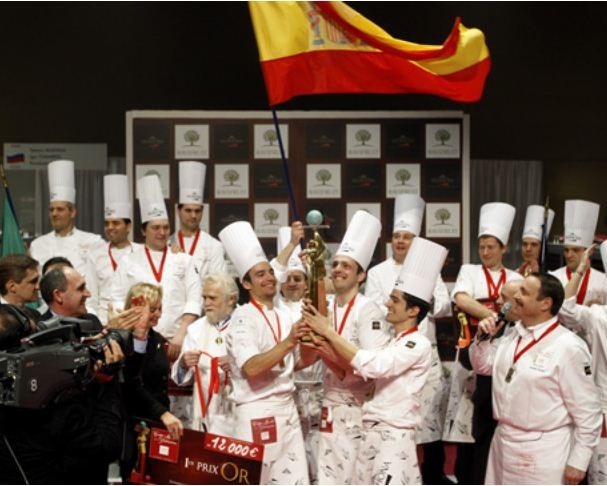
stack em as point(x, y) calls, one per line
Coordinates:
point(492, 289)
point(581, 294)
point(278, 338)
point(112, 261)
point(157, 273)
point(194, 243)
point(345, 316)
point(518, 354)
point(406, 333)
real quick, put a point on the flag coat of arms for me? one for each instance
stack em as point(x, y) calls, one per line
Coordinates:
point(327, 47)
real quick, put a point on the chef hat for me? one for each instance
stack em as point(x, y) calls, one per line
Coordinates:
point(191, 182)
point(116, 197)
point(534, 220)
point(408, 213)
point(242, 246)
point(61, 181)
point(151, 200)
point(496, 220)
point(360, 239)
point(603, 248)
point(282, 240)
point(421, 269)
point(581, 218)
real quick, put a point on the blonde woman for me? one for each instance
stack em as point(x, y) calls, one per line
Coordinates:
point(147, 370)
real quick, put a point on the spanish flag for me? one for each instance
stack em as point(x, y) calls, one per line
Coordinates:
point(327, 47)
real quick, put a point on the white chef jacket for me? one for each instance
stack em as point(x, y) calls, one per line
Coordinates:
point(597, 285)
point(366, 329)
point(181, 289)
point(458, 420)
point(211, 339)
point(400, 371)
point(75, 247)
point(99, 273)
point(471, 280)
point(591, 324)
point(208, 255)
point(552, 387)
point(380, 283)
point(249, 336)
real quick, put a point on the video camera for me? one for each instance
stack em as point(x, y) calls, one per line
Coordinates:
point(54, 359)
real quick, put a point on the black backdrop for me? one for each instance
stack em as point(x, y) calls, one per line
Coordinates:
point(71, 71)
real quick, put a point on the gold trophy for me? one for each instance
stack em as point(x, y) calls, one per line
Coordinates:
point(314, 261)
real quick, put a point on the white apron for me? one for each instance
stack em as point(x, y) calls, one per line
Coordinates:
point(340, 438)
point(520, 457)
point(275, 423)
point(387, 455)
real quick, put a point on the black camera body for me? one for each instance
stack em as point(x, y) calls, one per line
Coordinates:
point(53, 360)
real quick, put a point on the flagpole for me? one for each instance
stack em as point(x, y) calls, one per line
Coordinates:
point(544, 235)
point(285, 167)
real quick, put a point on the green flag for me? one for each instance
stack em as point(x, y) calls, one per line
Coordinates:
point(12, 242)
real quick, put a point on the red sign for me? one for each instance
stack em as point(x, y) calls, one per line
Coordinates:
point(162, 447)
point(264, 430)
point(233, 447)
point(197, 458)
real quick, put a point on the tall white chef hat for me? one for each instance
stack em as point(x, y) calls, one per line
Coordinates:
point(116, 197)
point(61, 181)
point(242, 246)
point(191, 182)
point(408, 213)
point(581, 218)
point(360, 239)
point(534, 219)
point(603, 248)
point(421, 269)
point(496, 220)
point(282, 240)
point(151, 200)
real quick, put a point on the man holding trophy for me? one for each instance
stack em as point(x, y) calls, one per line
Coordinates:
point(359, 321)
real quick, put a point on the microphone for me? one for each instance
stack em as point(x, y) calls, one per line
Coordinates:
point(501, 317)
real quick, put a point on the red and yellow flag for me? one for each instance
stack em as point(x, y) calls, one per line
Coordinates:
point(327, 47)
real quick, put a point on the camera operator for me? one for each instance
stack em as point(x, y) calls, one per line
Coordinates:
point(64, 290)
point(74, 438)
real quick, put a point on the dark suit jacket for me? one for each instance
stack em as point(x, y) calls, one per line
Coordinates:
point(95, 322)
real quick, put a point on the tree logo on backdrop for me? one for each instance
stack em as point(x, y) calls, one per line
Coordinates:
point(363, 136)
point(270, 137)
point(271, 215)
point(191, 137)
point(402, 175)
point(231, 176)
point(442, 215)
point(442, 136)
point(323, 176)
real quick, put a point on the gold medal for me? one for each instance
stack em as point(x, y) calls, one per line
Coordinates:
point(219, 340)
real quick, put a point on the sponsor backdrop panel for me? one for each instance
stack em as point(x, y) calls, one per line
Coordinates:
point(338, 162)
